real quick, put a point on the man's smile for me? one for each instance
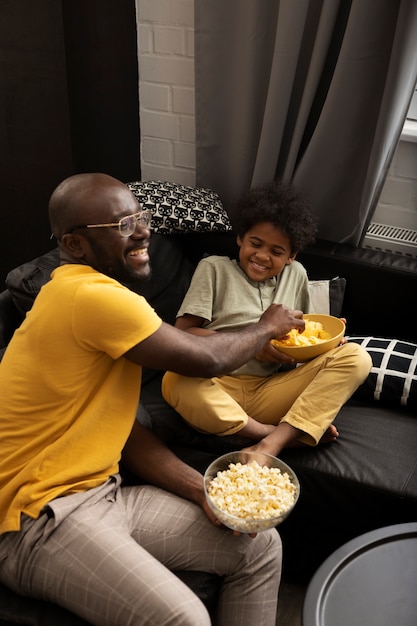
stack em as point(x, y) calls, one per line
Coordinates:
point(138, 252)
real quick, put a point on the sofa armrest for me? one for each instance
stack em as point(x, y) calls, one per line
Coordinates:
point(379, 287)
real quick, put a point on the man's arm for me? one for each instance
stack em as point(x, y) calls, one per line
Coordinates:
point(149, 458)
point(193, 324)
point(169, 348)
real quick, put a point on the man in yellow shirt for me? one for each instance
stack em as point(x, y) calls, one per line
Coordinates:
point(70, 383)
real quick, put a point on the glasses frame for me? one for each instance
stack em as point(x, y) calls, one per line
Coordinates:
point(143, 217)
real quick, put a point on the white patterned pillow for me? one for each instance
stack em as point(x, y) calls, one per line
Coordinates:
point(327, 295)
point(179, 208)
point(393, 377)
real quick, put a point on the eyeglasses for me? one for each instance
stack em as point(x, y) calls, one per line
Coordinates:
point(126, 225)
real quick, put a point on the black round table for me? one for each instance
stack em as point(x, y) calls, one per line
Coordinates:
point(369, 581)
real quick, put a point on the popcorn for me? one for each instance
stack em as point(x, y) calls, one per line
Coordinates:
point(253, 493)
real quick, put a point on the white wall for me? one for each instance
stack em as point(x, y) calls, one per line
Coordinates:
point(166, 89)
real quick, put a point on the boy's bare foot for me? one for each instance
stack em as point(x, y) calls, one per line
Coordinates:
point(273, 444)
point(282, 436)
point(330, 435)
point(256, 430)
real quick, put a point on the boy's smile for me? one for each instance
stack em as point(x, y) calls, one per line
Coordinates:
point(264, 251)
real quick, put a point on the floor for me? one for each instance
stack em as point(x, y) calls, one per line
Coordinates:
point(290, 604)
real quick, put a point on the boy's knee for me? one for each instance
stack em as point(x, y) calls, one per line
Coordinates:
point(362, 359)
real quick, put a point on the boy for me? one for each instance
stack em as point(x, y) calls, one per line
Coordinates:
point(263, 400)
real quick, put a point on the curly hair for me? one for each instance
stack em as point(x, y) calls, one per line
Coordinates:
point(281, 205)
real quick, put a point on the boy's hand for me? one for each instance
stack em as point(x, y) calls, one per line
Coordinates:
point(270, 354)
point(343, 339)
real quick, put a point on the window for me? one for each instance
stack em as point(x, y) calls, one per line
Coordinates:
point(394, 224)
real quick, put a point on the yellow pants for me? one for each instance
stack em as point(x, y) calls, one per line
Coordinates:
point(307, 397)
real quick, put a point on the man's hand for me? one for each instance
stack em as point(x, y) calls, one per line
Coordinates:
point(282, 320)
point(146, 456)
point(207, 510)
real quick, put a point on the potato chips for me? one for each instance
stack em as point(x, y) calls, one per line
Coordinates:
point(312, 335)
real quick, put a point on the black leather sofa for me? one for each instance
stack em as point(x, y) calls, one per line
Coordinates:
point(365, 480)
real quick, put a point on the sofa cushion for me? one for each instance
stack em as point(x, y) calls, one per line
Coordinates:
point(393, 377)
point(171, 274)
point(179, 208)
point(16, 609)
point(378, 287)
point(366, 479)
point(25, 281)
point(10, 318)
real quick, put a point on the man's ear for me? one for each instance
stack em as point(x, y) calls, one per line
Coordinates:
point(74, 245)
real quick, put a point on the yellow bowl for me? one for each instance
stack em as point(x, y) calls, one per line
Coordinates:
point(332, 325)
point(254, 495)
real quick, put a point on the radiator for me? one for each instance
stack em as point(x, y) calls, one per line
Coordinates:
point(391, 239)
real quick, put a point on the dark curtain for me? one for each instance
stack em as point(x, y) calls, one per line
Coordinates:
point(102, 82)
point(68, 104)
point(314, 92)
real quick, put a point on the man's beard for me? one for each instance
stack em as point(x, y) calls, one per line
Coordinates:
point(126, 275)
point(140, 284)
point(118, 270)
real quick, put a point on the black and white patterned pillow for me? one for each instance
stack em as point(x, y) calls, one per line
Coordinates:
point(393, 377)
point(179, 208)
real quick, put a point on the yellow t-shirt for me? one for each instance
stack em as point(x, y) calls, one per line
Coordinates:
point(68, 398)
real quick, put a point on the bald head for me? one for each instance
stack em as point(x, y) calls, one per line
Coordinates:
point(85, 212)
point(82, 199)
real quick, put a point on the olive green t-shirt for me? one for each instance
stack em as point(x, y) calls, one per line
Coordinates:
point(222, 294)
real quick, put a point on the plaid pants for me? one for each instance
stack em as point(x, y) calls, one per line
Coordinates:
point(106, 555)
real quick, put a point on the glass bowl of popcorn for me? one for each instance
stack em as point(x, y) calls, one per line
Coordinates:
point(321, 333)
point(250, 491)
